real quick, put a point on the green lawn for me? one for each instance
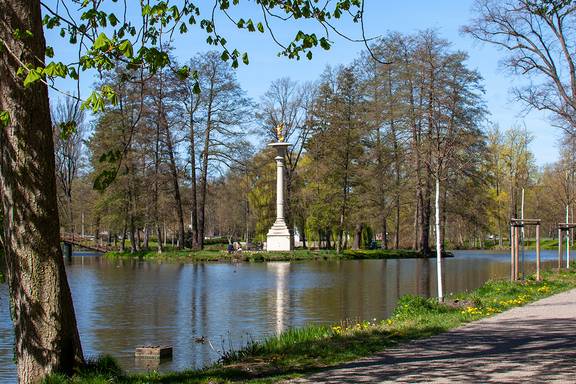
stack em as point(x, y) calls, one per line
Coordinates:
point(255, 256)
point(305, 350)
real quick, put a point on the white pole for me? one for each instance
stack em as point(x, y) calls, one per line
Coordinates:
point(567, 240)
point(82, 223)
point(438, 244)
point(522, 213)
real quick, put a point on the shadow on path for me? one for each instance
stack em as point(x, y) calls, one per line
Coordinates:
point(536, 343)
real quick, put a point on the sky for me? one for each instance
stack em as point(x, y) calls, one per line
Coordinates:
point(381, 16)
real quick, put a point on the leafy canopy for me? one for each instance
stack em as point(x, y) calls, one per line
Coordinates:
point(105, 36)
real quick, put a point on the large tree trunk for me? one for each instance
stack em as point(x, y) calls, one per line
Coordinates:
point(417, 170)
point(46, 335)
point(156, 191)
point(357, 236)
point(384, 244)
point(396, 150)
point(174, 173)
point(145, 246)
point(204, 172)
point(425, 215)
point(193, 185)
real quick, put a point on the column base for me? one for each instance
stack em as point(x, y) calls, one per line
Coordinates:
point(279, 238)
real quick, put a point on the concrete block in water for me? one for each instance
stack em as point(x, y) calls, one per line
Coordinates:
point(153, 352)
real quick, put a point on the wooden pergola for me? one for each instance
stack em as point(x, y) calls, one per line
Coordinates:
point(564, 227)
point(515, 226)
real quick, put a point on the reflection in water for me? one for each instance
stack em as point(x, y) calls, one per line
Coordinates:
point(124, 304)
point(281, 270)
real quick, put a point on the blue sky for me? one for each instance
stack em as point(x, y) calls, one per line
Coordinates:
point(382, 16)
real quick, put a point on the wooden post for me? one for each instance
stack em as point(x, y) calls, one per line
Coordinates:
point(516, 251)
point(559, 248)
point(537, 252)
point(512, 252)
point(68, 251)
point(567, 248)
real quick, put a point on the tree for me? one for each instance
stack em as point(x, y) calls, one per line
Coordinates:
point(69, 131)
point(45, 327)
point(339, 128)
point(46, 336)
point(288, 105)
point(539, 37)
point(224, 110)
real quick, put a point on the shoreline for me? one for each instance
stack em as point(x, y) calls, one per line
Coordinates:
point(263, 256)
point(301, 351)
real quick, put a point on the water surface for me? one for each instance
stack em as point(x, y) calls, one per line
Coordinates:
point(124, 304)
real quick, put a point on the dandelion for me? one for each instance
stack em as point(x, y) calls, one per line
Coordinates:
point(544, 289)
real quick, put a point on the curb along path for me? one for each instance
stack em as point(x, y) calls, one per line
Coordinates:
point(533, 343)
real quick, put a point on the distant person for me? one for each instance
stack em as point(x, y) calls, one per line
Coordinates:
point(230, 248)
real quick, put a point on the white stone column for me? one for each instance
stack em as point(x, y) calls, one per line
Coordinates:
point(278, 238)
point(279, 187)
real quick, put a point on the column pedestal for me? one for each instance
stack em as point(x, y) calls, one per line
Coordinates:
point(278, 237)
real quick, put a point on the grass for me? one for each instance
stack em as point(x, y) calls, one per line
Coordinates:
point(300, 351)
point(258, 256)
point(530, 244)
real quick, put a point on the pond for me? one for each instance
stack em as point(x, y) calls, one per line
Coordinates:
point(122, 304)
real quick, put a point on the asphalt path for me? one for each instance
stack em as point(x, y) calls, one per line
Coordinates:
point(535, 343)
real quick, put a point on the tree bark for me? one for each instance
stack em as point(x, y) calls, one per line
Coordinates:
point(204, 172)
point(193, 185)
point(396, 151)
point(384, 233)
point(357, 236)
point(156, 196)
point(46, 334)
point(146, 237)
point(174, 173)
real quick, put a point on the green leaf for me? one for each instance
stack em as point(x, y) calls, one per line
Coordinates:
point(112, 19)
point(260, 27)
point(49, 52)
point(126, 48)
point(183, 73)
point(196, 88)
point(4, 119)
point(225, 56)
point(309, 55)
point(33, 76)
point(95, 102)
point(73, 74)
point(67, 129)
point(56, 70)
point(324, 43)
point(245, 58)
point(104, 179)
point(101, 42)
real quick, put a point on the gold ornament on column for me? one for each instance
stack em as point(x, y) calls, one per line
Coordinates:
point(279, 130)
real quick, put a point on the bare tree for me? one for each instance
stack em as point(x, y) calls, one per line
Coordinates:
point(69, 131)
point(539, 37)
point(288, 104)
